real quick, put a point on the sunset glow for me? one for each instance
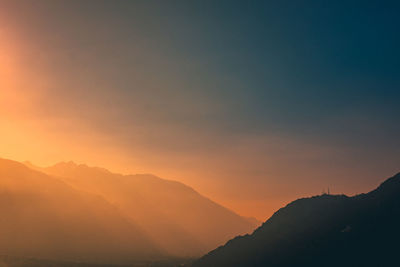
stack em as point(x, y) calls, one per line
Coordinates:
point(174, 133)
point(228, 110)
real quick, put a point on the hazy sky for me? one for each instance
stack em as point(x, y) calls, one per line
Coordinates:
point(252, 103)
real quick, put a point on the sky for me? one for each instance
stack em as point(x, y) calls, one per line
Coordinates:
point(252, 103)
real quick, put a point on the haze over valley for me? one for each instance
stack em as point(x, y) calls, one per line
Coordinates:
point(76, 212)
point(201, 133)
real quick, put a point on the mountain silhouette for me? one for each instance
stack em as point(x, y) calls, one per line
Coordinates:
point(177, 218)
point(80, 213)
point(326, 230)
point(43, 217)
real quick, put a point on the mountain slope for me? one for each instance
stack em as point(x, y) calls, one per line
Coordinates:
point(322, 231)
point(43, 217)
point(176, 217)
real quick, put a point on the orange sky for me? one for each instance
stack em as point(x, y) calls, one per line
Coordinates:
point(75, 86)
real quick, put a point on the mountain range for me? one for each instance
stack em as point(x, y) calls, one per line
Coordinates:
point(74, 215)
point(325, 230)
point(80, 213)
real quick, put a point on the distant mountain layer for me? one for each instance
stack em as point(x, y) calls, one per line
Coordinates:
point(178, 219)
point(7, 261)
point(78, 213)
point(327, 230)
point(43, 217)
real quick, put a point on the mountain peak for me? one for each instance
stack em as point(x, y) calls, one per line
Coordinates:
point(71, 167)
point(65, 164)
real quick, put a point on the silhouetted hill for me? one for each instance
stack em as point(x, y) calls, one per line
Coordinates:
point(327, 230)
point(177, 219)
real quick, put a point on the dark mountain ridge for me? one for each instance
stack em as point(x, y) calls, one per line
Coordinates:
point(326, 230)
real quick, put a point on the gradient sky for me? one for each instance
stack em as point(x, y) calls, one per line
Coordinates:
point(252, 103)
